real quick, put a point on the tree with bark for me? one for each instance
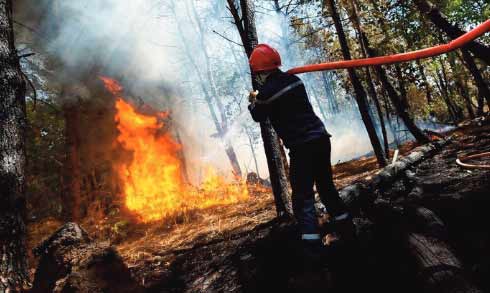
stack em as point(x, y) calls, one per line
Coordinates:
point(371, 88)
point(13, 262)
point(482, 85)
point(396, 100)
point(245, 24)
point(453, 31)
point(207, 85)
point(72, 164)
point(360, 93)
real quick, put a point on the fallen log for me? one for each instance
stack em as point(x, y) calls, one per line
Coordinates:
point(362, 193)
point(439, 269)
point(70, 261)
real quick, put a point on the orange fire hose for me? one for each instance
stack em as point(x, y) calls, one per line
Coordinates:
point(460, 162)
point(402, 57)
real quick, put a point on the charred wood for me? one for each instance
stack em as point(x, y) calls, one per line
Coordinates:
point(439, 269)
point(362, 194)
point(70, 261)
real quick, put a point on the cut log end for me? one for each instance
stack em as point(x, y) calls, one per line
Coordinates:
point(72, 262)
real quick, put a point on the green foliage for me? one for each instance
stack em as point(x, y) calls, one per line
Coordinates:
point(467, 11)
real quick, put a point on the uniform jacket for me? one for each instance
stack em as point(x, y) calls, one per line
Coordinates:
point(284, 101)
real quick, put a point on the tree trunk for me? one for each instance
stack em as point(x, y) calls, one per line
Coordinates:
point(252, 150)
point(209, 96)
point(480, 105)
point(246, 28)
point(369, 79)
point(401, 111)
point(458, 112)
point(395, 98)
point(453, 31)
point(320, 105)
point(375, 98)
point(13, 261)
point(445, 97)
point(388, 119)
point(428, 92)
point(461, 85)
point(230, 151)
point(483, 89)
point(329, 91)
point(360, 94)
point(71, 193)
point(393, 95)
point(401, 86)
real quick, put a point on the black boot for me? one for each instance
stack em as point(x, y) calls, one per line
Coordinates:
point(314, 253)
point(339, 230)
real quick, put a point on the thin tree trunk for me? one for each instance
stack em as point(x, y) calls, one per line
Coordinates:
point(395, 98)
point(445, 97)
point(393, 95)
point(460, 84)
point(388, 119)
point(483, 88)
point(13, 261)
point(71, 194)
point(245, 24)
point(230, 151)
point(360, 94)
point(327, 84)
point(401, 111)
point(481, 104)
point(445, 92)
point(428, 92)
point(375, 98)
point(208, 96)
point(369, 79)
point(401, 86)
point(458, 112)
point(252, 150)
point(453, 31)
point(320, 106)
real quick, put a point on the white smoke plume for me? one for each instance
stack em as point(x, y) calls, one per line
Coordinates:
point(148, 46)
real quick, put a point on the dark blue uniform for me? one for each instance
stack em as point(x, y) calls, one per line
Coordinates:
point(284, 101)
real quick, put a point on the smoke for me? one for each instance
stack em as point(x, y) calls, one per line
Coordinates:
point(123, 38)
point(159, 51)
point(349, 137)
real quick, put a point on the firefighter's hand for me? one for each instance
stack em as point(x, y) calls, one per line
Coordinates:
point(252, 97)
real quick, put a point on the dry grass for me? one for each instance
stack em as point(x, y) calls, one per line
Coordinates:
point(139, 243)
point(202, 226)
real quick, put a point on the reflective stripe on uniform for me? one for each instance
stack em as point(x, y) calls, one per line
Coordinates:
point(342, 217)
point(280, 93)
point(310, 236)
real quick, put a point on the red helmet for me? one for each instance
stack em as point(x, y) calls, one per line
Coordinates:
point(264, 58)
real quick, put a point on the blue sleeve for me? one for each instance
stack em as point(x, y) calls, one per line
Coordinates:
point(259, 112)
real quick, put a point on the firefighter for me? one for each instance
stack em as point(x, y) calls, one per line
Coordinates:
point(282, 98)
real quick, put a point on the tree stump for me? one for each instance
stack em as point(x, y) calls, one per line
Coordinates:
point(72, 262)
point(439, 269)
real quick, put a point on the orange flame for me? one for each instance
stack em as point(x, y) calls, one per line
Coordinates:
point(152, 182)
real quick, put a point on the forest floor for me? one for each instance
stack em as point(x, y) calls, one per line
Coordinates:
point(243, 247)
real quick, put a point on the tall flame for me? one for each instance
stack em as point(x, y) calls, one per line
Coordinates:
point(152, 182)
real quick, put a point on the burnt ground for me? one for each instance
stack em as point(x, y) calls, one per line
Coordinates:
point(269, 258)
point(244, 248)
